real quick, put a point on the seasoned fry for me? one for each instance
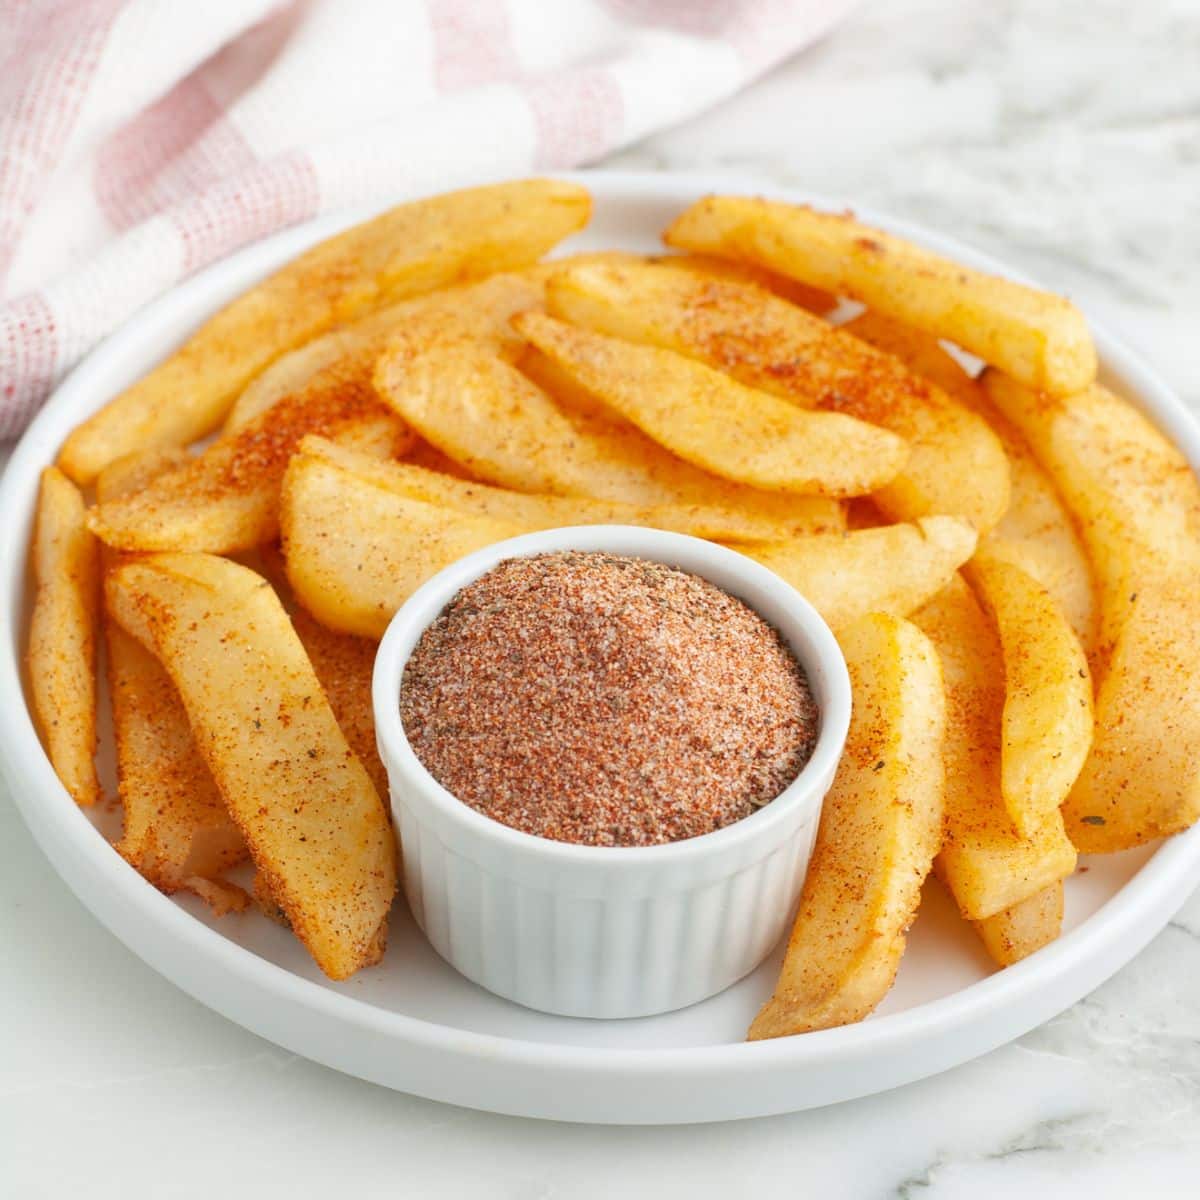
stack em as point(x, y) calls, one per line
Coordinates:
point(479, 311)
point(892, 569)
point(288, 375)
point(566, 391)
point(62, 635)
point(357, 546)
point(412, 248)
point(1038, 338)
point(710, 267)
point(984, 862)
point(1132, 493)
point(355, 552)
point(880, 827)
point(1046, 729)
point(1036, 532)
point(309, 813)
point(1138, 507)
point(430, 458)
point(955, 465)
point(344, 665)
point(133, 472)
point(484, 414)
point(1016, 932)
point(177, 833)
point(708, 419)
point(526, 509)
point(228, 498)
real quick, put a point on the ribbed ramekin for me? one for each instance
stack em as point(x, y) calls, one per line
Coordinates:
point(588, 931)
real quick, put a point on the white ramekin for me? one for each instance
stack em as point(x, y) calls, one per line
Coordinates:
point(590, 931)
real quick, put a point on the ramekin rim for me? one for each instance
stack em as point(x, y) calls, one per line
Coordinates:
point(424, 605)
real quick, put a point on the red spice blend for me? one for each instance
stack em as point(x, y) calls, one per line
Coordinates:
point(606, 700)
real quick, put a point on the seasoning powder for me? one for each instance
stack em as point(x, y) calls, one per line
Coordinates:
point(606, 700)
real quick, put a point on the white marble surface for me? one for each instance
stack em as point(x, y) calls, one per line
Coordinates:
point(1062, 135)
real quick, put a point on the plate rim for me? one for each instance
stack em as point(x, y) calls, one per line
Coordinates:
point(1111, 935)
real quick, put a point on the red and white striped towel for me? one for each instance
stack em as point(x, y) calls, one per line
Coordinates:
point(143, 139)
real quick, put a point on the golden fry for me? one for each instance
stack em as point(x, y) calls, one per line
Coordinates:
point(955, 465)
point(356, 552)
point(792, 290)
point(413, 248)
point(344, 665)
point(1016, 932)
point(892, 569)
point(1036, 531)
point(178, 833)
point(748, 436)
point(1137, 503)
point(315, 826)
point(529, 510)
point(177, 830)
point(479, 311)
point(880, 827)
point(1046, 729)
point(228, 498)
point(62, 635)
point(1035, 336)
point(984, 862)
point(483, 413)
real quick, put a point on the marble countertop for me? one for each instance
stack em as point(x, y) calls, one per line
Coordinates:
point(1064, 137)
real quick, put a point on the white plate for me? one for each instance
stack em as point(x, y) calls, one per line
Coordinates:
point(413, 1024)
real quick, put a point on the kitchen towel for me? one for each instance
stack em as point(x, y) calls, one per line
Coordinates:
point(143, 139)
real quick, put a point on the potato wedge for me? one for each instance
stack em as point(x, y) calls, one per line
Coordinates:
point(355, 551)
point(228, 499)
point(62, 635)
point(984, 862)
point(568, 393)
point(315, 826)
point(706, 265)
point(1038, 338)
point(288, 375)
point(358, 545)
point(483, 413)
point(430, 458)
point(178, 833)
point(529, 510)
point(133, 472)
point(344, 665)
point(955, 465)
point(892, 569)
point(478, 311)
point(413, 248)
point(1141, 779)
point(1138, 507)
point(881, 826)
point(814, 300)
point(1046, 729)
point(1038, 535)
point(1016, 932)
point(177, 829)
point(706, 418)
point(1035, 532)
point(921, 353)
point(1132, 493)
